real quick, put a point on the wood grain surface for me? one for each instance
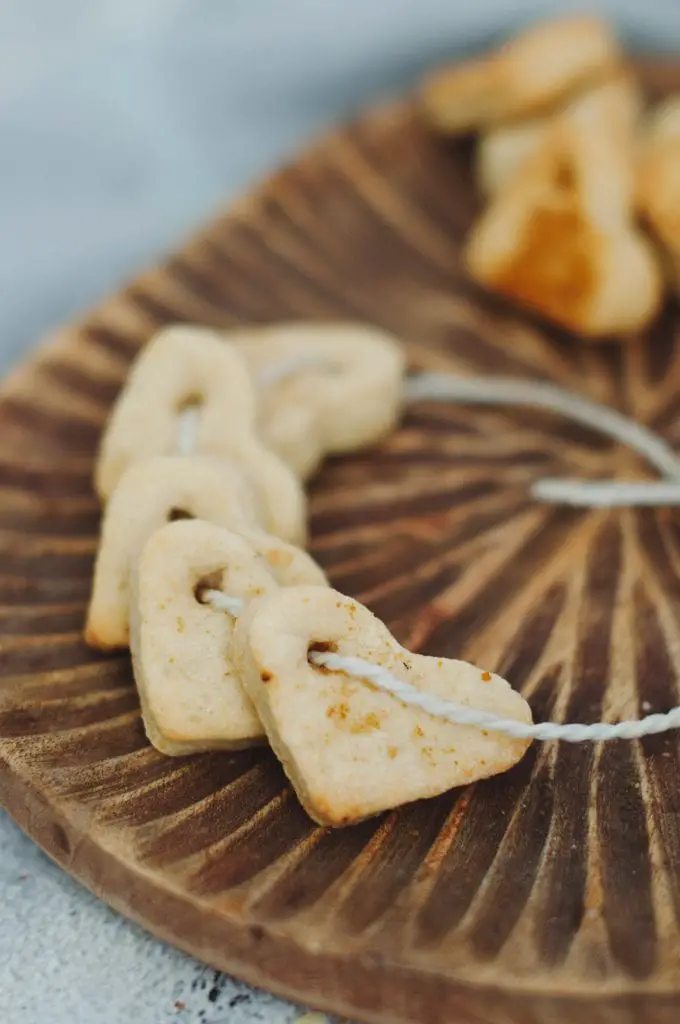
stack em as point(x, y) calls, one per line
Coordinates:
point(550, 895)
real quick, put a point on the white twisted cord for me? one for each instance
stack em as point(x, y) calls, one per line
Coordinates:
point(607, 493)
point(535, 394)
point(460, 714)
point(222, 602)
point(187, 429)
point(506, 391)
point(501, 391)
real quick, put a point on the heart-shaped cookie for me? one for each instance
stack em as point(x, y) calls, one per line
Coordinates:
point(349, 749)
point(193, 368)
point(181, 366)
point(149, 495)
point(347, 377)
point(191, 694)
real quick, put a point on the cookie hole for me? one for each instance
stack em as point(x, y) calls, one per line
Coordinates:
point(321, 647)
point(178, 513)
point(213, 581)
point(192, 401)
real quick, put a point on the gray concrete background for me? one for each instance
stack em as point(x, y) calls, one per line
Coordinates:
point(123, 123)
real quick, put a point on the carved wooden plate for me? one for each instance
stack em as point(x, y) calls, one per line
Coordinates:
point(550, 894)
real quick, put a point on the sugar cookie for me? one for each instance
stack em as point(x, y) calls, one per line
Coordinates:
point(191, 694)
point(349, 749)
point(150, 494)
point(344, 389)
point(186, 367)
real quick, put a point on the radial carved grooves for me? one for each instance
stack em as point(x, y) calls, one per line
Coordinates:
point(43, 563)
point(50, 519)
point(464, 868)
point(111, 341)
point(69, 377)
point(395, 864)
point(37, 591)
point(36, 622)
point(247, 790)
point(512, 877)
point(44, 480)
point(560, 876)
point(19, 657)
point(139, 770)
point(657, 676)
point(58, 716)
point(311, 877)
point(235, 860)
point(625, 854)
point(559, 912)
point(57, 431)
point(81, 747)
point(153, 792)
point(508, 577)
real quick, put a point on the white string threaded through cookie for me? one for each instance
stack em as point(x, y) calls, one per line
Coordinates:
point(591, 494)
point(189, 416)
point(187, 429)
point(460, 714)
point(446, 387)
point(533, 394)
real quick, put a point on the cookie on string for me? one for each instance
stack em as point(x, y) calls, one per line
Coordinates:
point(325, 387)
point(186, 369)
point(149, 495)
point(182, 648)
point(349, 749)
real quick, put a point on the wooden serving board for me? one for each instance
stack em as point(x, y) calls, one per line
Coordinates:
point(549, 895)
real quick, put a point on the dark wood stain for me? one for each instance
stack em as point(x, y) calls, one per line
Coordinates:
point(207, 820)
point(626, 865)
point(507, 581)
point(395, 864)
point(469, 859)
point(59, 432)
point(102, 390)
point(311, 877)
point(48, 481)
point(277, 837)
point(112, 340)
point(513, 874)
point(658, 688)
point(62, 715)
